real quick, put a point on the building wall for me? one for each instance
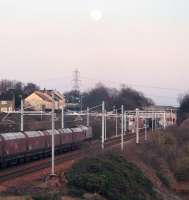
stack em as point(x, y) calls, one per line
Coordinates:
point(39, 103)
point(6, 106)
point(61, 102)
point(36, 102)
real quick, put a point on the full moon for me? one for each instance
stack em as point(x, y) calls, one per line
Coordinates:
point(96, 15)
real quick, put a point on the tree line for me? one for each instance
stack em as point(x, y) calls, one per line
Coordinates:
point(113, 98)
point(183, 111)
point(14, 90)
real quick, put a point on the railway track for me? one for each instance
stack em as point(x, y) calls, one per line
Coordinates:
point(24, 170)
point(20, 172)
point(117, 139)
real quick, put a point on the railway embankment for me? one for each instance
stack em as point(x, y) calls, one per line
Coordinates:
point(164, 158)
point(102, 176)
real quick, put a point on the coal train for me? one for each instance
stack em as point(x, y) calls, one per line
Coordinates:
point(24, 146)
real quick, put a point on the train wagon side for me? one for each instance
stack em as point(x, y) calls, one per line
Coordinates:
point(66, 136)
point(57, 139)
point(77, 135)
point(48, 140)
point(14, 146)
point(87, 131)
point(21, 146)
point(35, 142)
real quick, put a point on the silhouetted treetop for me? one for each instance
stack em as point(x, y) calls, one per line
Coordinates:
point(128, 97)
point(10, 89)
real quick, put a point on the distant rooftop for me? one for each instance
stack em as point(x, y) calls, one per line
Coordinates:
point(158, 107)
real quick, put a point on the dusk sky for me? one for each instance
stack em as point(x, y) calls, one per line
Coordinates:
point(141, 43)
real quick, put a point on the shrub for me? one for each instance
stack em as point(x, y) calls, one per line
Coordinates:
point(182, 168)
point(163, 178)
point(76, 192)
point(171, 146)
point(47, 197)
point(112, 177)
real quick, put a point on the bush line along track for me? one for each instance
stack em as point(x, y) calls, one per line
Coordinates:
point(116, 140)
point(20, 171)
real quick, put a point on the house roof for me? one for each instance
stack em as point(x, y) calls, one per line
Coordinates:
point(44, 96)
point(157, 107)
point(61, 96)
point(57, 95)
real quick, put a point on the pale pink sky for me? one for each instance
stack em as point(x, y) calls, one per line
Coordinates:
point(138, 42)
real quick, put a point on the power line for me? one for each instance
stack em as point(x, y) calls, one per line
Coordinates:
point(77, 77)
point(135, 85)
point(173, 97)
point(161, 96)
point(76, 85)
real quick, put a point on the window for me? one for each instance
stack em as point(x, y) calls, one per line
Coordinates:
point(3, 102)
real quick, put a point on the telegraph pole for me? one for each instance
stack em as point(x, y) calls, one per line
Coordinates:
point(164, 121)
point(62, 117)
point(145, 120)
point(152, 121)
point(116, 123)
point(22, 115)
point(155, 121)
point(103, 109)
point(125, 122)
point(88, 119)
point(122, 126)
point(53, 130)
point(172, 120)
point(105, 122)
point(137, 126)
